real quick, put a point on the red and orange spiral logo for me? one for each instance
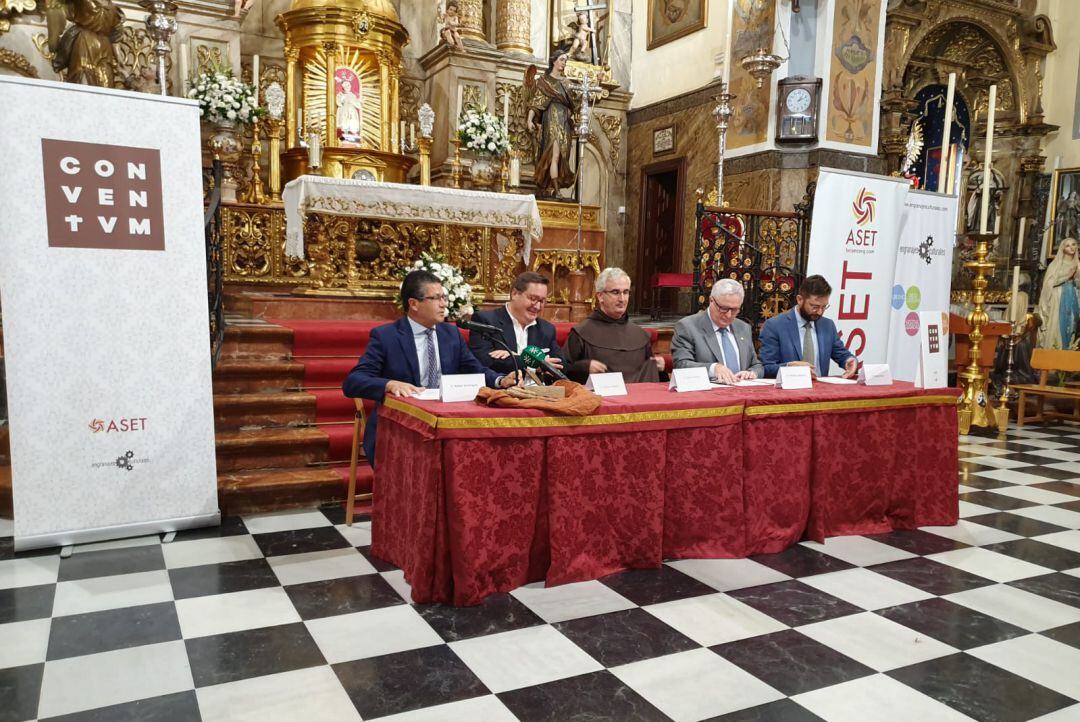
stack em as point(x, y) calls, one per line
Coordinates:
point(863, 207)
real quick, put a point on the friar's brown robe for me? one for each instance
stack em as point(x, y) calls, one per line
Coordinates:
point(620, 345)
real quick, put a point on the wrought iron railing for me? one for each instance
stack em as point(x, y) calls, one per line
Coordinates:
point(215, 276)
point(765, 251)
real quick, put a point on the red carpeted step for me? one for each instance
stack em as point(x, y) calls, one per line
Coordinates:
point(364, 476)
point(332, 405)
point(340, 441)
point(327, 371)
point(328, 338)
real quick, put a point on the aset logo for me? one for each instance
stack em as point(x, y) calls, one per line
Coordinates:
point(864, 206)
point(121, 425)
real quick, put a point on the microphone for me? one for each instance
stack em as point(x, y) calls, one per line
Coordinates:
point(477, 327)
point(535, 358)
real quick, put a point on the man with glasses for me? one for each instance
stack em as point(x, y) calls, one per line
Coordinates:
point(716, 339)
point(413, 353)
point(521, 325)
point(606, 341)
point(804, 337)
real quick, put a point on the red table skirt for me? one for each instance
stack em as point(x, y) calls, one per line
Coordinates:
point(470, 501)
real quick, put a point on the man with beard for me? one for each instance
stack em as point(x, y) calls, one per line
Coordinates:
point(804, 337)
point(607, 342)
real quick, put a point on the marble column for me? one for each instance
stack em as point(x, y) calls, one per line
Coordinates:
point(471, 13)
point(513, 20)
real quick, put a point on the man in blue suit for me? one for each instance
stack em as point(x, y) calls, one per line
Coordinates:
point(804, 337)
point(413, 353)
point(521, 325)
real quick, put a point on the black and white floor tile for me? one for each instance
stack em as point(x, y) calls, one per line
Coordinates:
point(288, 617)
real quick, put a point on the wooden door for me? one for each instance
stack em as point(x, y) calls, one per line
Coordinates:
point(660, 232)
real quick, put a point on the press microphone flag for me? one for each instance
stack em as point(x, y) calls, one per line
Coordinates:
point(535, 358)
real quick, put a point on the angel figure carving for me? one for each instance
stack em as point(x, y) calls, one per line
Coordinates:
point(450, 31)
point(582, 30)
point(548, 98)
point(83, 50)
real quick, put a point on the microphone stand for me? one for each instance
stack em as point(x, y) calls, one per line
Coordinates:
point(498, 341)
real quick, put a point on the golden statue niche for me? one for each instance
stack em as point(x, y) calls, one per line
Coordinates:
point(343, 64)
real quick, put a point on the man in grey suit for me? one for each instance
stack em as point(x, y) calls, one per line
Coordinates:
point(716, 339)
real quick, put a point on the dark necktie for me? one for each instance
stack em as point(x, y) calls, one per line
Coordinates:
point(729, 350)
point(432, 373)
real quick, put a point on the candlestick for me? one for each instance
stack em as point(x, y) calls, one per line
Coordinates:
point(985, 210)
point(946, 134)
point(255, 76)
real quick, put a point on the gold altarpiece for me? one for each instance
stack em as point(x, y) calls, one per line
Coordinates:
point(342, 79)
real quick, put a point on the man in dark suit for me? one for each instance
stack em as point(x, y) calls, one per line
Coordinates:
point(804, 337)
point(521, 325)
point(413, 353)
point(715, 339)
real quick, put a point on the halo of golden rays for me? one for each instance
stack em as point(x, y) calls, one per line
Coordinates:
point(367, 70)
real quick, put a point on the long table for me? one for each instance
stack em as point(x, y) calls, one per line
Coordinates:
point(471, 500)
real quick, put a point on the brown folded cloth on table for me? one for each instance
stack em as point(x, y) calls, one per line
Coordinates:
point(579, 401)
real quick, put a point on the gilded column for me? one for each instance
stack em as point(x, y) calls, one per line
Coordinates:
point(472, 19)
point(386, 114)
point(330, 49)
point(395, 102)
point(513, 21)
point(296, 100)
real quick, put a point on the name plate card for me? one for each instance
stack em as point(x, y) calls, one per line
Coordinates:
point(690, 379)
point(460, 387)
point(875, 375)
point(609, 384)
point(794, 377)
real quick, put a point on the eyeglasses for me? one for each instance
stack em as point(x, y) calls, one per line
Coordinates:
point(541, 300)
point(438, 299)
point(618, 292)
point(817, 307)
point(724, 310)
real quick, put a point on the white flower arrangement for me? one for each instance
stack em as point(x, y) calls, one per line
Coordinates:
point(453, 283)
point(224, 98)
point(483, 133)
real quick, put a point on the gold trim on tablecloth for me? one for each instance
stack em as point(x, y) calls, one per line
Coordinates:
point(536, 422)
point(850, 405)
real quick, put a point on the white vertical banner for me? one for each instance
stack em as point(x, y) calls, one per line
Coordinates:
point(923, 275)
point(103, 283)
point(853, 245)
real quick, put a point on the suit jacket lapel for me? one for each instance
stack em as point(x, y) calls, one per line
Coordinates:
point(409, 350)
point(507, 325)
point(706, 325)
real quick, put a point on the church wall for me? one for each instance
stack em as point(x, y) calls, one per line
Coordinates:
point(681, 65)
point(1060, 85)
point(695, 145)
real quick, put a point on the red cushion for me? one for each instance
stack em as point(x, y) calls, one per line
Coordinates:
point(672, 280)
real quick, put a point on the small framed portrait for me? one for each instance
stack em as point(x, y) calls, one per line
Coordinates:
point(663, 140)
point(1064, 207)
point(672, 19)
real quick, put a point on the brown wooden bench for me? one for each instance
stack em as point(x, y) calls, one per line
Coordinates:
point(1046, 360)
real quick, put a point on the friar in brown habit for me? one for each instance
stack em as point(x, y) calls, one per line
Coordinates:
point(606, 341)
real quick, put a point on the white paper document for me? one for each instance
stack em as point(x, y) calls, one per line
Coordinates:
point(835, 380)
point(746, 382)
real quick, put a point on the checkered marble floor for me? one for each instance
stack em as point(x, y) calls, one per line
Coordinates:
point(289, 617)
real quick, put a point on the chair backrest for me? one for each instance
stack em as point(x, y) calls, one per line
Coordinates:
point(1049, 359)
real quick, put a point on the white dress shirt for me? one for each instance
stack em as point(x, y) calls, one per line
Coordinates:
point(521, 333)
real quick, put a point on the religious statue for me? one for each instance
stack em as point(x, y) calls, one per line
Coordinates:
point(1059, 308)
point(83, 50)
point(549, 96)
point(450, 33)
point(974, 200)
point(348, 111)
point(1067, 217)
point(580, 47)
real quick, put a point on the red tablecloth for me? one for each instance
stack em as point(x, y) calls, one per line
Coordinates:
point(471, 500)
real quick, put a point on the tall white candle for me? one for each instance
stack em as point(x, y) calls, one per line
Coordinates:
point(1016, 272)
point(315, 151)
point(401, 136)
point(506, 110)
point(985, 210)
point(946, 135)
point(460, 97)
point(412, 135)
point(255, 76)
point(184, 70)
point(515, 172)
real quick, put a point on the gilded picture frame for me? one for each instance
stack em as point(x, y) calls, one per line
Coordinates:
point(663, 140)
point(670, 20)
point(1064, 207)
